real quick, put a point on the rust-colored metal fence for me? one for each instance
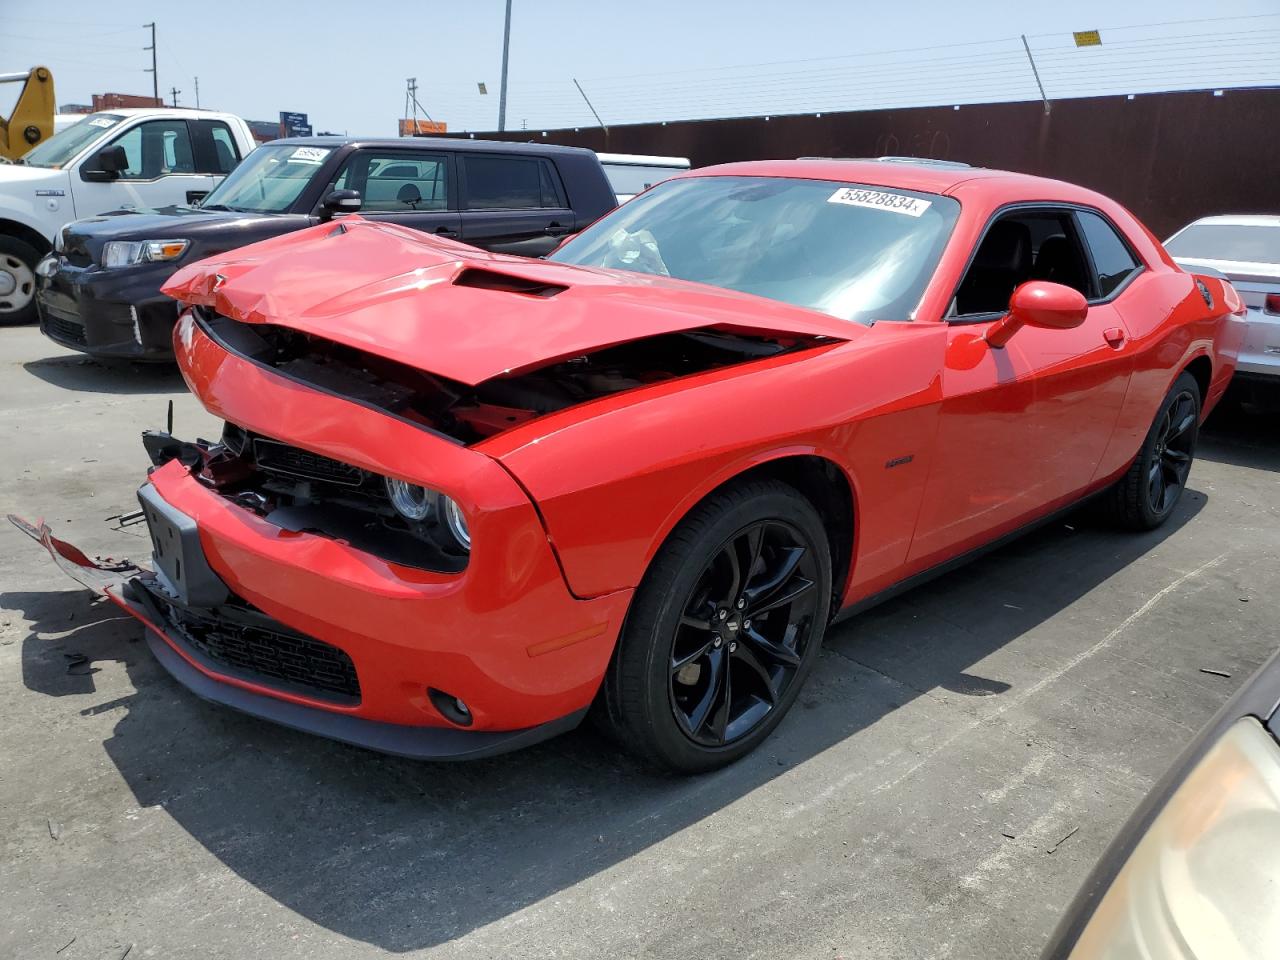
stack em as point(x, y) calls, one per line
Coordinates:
point(1170, 157)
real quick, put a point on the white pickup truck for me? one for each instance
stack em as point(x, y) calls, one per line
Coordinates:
point(113, 160)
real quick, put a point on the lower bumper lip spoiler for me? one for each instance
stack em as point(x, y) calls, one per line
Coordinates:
point(111, 578)
point(103, 576)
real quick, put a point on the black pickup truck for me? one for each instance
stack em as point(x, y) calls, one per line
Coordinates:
point(100, 288)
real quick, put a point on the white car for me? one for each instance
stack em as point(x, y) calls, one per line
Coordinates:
point(630, 174)
point(113, 160)
point(1246, 250)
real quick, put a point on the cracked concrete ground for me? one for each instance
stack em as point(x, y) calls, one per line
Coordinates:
point(919, 802)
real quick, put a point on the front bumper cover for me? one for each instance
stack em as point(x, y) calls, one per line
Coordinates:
point(109, 313)
point(145, 594)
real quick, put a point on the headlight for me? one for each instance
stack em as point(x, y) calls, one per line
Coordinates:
point(421, 504)
point(411, 501)
point(1202, 881)
point(122, 253)
point(456, 522)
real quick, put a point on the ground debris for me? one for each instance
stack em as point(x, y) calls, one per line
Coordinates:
point(1215, 673)
point(1007, 835)
point(1071, 833)
point(65, 945)
point(55, 829)
point(77, 664)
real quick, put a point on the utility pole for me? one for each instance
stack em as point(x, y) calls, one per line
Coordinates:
point(197, 93)
point(175, 91)
point(1036, 73)
point(506, 49)
point(411, 103)
point(155, 77)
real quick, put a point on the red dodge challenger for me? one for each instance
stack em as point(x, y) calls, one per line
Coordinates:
point(461, 498)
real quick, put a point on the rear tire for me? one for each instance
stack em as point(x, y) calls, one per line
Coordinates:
point(18, 261)
point(723, 630)
point(1147, 494)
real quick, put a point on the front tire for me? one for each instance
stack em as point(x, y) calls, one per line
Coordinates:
point(18, 261)
point(1147, 494)
point(723, 630)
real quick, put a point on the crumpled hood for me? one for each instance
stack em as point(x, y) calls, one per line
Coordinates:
point(459, 312)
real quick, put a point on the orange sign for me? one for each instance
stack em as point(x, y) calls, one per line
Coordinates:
point(418, 128)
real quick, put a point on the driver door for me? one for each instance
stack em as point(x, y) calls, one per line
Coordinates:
point(1022, 428)
point(162, 171)
point(414, 188)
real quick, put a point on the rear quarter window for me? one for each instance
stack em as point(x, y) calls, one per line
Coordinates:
point(1112, 258)
point(510, 183)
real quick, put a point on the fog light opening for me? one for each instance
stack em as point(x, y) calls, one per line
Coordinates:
point(452, 708)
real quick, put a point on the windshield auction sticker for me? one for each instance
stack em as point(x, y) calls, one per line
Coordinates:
point(877, 200)
point(309, 155)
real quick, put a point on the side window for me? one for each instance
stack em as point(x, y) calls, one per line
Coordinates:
point(507, 183)
point(1022, 246)
point(155, 149)
point(552, 194)
point(1111, 257)
point(399, 182)
point(226, 154)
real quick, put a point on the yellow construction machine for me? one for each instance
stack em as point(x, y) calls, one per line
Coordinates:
point(31, 119)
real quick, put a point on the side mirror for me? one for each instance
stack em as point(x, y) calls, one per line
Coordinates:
point(107, 164)
point(339, 201)
point(1039, 303)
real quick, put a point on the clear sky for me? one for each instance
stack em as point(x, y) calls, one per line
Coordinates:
point(345, 64)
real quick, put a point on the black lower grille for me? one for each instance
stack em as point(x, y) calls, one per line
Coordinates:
point(65, 330)
point(285, 661)
point(276, 457)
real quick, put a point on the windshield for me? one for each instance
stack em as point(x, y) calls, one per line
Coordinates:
point(63, 147)
point(269, 180)
point(1242, 242)
point(857, 253)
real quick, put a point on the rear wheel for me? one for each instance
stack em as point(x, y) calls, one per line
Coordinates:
point(18, 261)
point(723, 631)
point(1146, 495)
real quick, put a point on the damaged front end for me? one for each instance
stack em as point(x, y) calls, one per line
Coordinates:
point(468, 414)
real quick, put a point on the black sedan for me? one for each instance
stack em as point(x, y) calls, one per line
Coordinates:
point(100, 288)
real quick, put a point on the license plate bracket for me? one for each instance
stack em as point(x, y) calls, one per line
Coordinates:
point(180, 564)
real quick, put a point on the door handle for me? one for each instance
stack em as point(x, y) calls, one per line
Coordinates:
point(1114, 337)
point(554, 229)
point(446, 232)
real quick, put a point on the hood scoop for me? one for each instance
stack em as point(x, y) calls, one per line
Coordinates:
point(493, 280)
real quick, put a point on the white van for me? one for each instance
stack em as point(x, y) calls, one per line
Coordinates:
point(630, 173)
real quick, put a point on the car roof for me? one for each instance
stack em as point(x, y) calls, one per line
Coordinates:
point(439, 143)
point(642, 160)
point(1239, 220)
point(998, 185)
point(176, 111)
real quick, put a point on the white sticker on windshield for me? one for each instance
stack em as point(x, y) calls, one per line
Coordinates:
point(102, 122)
point(893, 202)
point(308, 155)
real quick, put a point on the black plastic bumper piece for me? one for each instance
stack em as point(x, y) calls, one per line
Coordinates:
point(417, 743)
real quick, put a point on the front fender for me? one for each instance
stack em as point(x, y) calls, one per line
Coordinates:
point(19, 204)
point(613, 479)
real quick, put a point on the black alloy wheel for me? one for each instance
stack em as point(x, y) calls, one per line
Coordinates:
point(740, 639)
point(722, 631)
point(1151, 488)
point(1175, 446)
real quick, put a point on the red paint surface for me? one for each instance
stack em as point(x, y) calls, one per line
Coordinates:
point(996, 437)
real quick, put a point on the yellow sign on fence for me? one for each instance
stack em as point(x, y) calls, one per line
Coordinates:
point(1088, 38)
